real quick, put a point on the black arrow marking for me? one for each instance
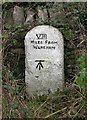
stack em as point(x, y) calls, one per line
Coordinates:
point(39, 65)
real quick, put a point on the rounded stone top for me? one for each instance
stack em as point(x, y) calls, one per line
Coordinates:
point(44, 41)
point(45, 29)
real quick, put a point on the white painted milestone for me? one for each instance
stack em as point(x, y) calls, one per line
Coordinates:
point(44, 61)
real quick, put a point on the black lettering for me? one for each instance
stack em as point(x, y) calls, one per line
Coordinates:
point(38, 36)
point(41, 36)
point(35, 47)
point(32, 41)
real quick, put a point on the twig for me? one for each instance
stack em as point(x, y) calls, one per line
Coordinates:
point(55, 112)
point(80, 43)
point(10, 113)
point(18, 113)
point(40, 106)
point(78, 111)
point(48, 97)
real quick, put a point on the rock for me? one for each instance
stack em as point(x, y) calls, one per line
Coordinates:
point(42, 14)
point(44, 50)
point(8, 18)
point(18, 15)
point(30, 16)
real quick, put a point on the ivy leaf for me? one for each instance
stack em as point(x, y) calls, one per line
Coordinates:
point(81, 79)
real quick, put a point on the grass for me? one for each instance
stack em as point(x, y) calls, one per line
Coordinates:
point(69, 103)
point(16, 104)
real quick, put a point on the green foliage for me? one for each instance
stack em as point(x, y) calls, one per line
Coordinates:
point(10, 75)
point(68, 33)
point(14, 105)
point(81, 78)
point(66, 91)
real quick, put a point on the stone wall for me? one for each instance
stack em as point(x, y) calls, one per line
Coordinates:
point(18, 14)
point(19, 18)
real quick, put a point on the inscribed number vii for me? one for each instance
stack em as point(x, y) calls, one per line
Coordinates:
point(41, 36)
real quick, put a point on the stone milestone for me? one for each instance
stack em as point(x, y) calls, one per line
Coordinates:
point(44, 61)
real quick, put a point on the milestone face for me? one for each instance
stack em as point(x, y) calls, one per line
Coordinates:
point(44, 60)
